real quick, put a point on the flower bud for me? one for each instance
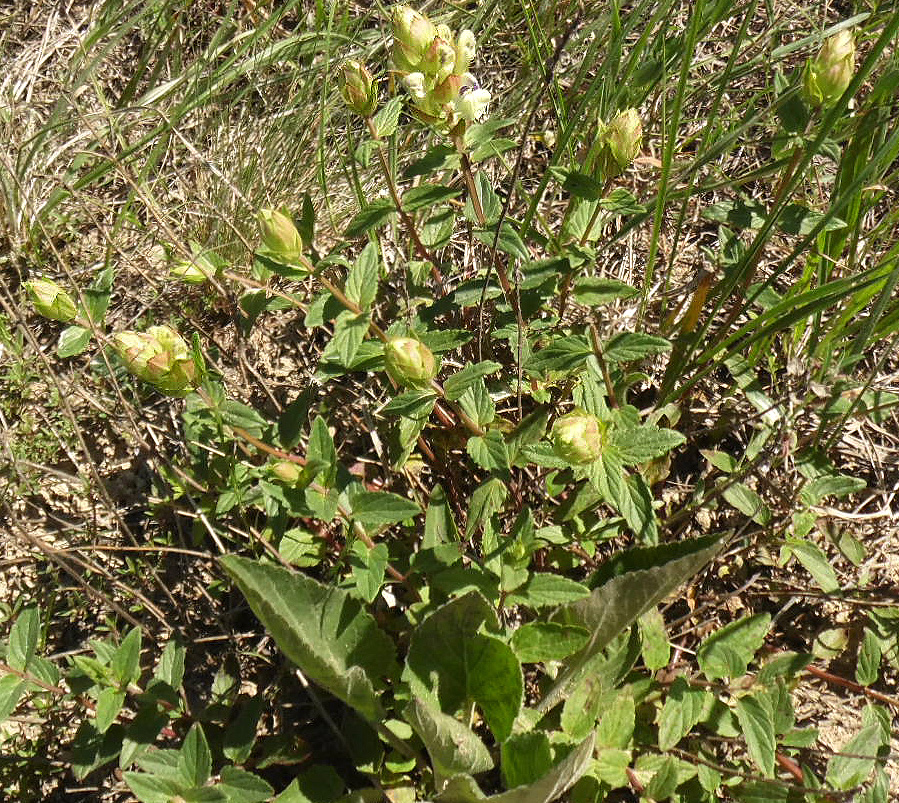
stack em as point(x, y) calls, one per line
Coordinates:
point(448, 90)
point(578, 438)
point(279, 235)
point(357, 88)
point(412, 35)
point(51, 301)
point(159, 356)
point(465, 50)
point(621, 139)
point(409, 363)
point(195, 270)
point(439, 59)
point(286, 471)
point(826, 77)
point(415, 85)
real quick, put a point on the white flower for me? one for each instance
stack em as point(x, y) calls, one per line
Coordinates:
point(415, 85)
point(472, 104)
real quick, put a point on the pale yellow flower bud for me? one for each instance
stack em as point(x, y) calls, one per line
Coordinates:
point(160, 357)
point(409, 362)
point(826, 77)
point(51, 301)
point(279, 235)
point(357, 88)
point(578, 438)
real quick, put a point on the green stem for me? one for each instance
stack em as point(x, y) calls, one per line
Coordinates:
point(420, 247)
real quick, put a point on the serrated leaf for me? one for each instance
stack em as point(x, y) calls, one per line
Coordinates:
point(591, 290)
point(800, 220)
point(621, 202)
point(643, 443)
point(727, 652)
point(241, 786)
point(562, 354)
point(525, 757)
point(453, 748)
point(195, 757)
point(535, 642)
point(370, 217)
point(616, 722)
point(322, 629)
point(380, 508)
point(654, 639)
point(453, 661)
point(849, 770)
point(427, 195)
point(349, 332)
point(582, 186)
point(412, 404)
point(490, 203)
point(440, 523)
point(362, 281)
point(458, 383)
point(838, 485)
point(631, 346)
point(109, 704)
point(815, 562)
point(738, 215)
point(747, 501)
point(11, 689)
point(867, 670)
point(758, 730)
point(544, 590)
point(477, 404)
point(150, 788)
point(23, 638)
point(509, 241)
point(489, 452)
point(682, 710)
point(126, 661)
point(388, 117)
point(72, 341)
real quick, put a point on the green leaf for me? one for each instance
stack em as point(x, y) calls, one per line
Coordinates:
point(867, 670)
point(799, 219)
point(109, 704)
point(11, 688)
point(440, 157)
point(617, 720)
point(240, 733)
point(591, 290)
point(322, 629)
point(654, 639)
point(849, 770)
point(477, 404)
point(388, 116)
point(23, 638)
point(837, 485)
point(727, 652)
point(349, 332)
point(621, 202)
point(151, 789)
point(412, 404)
point(562, 354)
point(635, 505)
point(544, 590)
point(758, 730)
point(812, 557)
point(320, 449)
point(380, 508)
point(458, 383)
point(96, 297)
point(72, 341)
point(647, 576)
point(440, 523)
point(427, 195)
point(525, 757)
point(368, 218)
point(535, 642)
point(509, 241)
point(452, 747)
point(452, 660)
point(738, 215)
point(489, 452)
point(369, 569)
point(664, 781)
point(235, 414)
point(747, 501)
point(556, 782)
point(362, 281)
point(170, 668)
point(582, 186)
point(244, 787)
point(630, 346)
point(126, 661)
point(141, 733)
point(490, 203)
point(195, 758)
point(643, 443)
point(682, 710)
